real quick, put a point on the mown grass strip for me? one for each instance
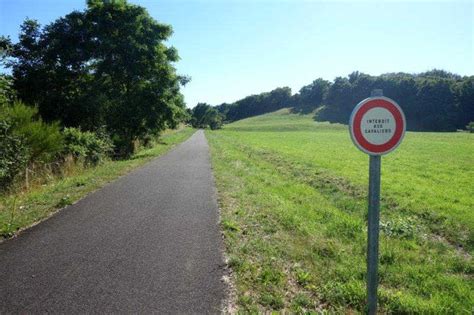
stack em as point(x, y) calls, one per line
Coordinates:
point(22, 209)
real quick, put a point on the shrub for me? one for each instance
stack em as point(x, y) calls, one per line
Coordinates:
point(42, 140)
point(7, 93)
point(91, 147)
point(470, 127)
point(216, 123)
point(124, 148)
point(13, 155)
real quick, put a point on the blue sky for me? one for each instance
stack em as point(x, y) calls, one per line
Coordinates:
point(232, 49)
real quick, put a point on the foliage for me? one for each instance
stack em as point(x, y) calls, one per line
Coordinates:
point(432, 101)
point(87, 145)
point(7, 93)
point(435, 100)
point(311, 96)
point(465, 100)
point(204, 115)
point(107, 65)
point(470, 127)
point(303, 185)
point(22, 209)
point(43, 141)
point(257, 104)
point(13, 155)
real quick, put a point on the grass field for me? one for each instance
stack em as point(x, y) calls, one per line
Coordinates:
point(24, 208)
point(293, 203)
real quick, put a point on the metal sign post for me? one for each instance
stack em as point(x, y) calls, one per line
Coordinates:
point(377, 126)
point(373, 232)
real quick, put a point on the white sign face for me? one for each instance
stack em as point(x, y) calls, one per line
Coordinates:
point(377, 125)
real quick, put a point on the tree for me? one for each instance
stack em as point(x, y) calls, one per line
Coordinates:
point(470, 127)
point(338, 102)
point(7, 93)
point(258, 104)
point(105, 66)
point(465, 100)
point(436, 109)
point(311, 96)
point(204, 115)
point(432, 101)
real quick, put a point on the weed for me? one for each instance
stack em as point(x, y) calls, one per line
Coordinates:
point(301, 301)
point(64, 201)
point(270, 275)
point(400, 227)
point(271, 300)
point(302, 277)
point(230, 226)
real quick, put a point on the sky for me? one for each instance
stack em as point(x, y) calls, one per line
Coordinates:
point(232, 49)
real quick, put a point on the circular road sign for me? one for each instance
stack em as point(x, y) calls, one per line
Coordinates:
point(377, 125)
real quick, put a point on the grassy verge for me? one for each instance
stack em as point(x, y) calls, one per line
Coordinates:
point(23, 209)
point(293, 192)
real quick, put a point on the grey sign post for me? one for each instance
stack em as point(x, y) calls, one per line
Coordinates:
point(373, 232)
point(377, 126)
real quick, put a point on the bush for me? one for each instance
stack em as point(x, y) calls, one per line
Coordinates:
point(13, 155)
point(7, 93)
point(470, 127)
point(216, 123)
point(43, 141)
point(91, 147)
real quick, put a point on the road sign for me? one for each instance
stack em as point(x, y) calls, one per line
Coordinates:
point(377, 125)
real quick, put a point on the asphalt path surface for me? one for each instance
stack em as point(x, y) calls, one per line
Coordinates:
point(148, 242)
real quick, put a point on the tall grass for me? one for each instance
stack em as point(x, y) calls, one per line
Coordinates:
point(51, 187)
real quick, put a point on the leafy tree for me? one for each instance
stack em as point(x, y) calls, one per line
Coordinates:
point(436, 108)
point(107, 65)
point(204, 115)
point(465, 101)
point(223, 109)
point(439, 74)
point(311, 96)
point(259, 104)
point(338, 102)
point(7, 93)
point(215, 119)
point(470, 127)
point(432, 101)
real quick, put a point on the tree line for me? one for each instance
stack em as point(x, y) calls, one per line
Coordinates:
point(92, 84)
point(104, 67)
point(432, 101)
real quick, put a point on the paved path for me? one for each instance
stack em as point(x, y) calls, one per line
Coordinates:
point(146, 243)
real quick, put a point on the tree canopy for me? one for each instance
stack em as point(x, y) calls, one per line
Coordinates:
point(105, 66)
point(257, 104)
point(204, 115)
point(432, 101)
point(435, 100)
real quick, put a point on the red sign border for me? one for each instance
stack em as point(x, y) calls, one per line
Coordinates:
point(356, 119)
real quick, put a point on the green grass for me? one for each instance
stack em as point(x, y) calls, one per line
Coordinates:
point(24, 208)
point(293, 203)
